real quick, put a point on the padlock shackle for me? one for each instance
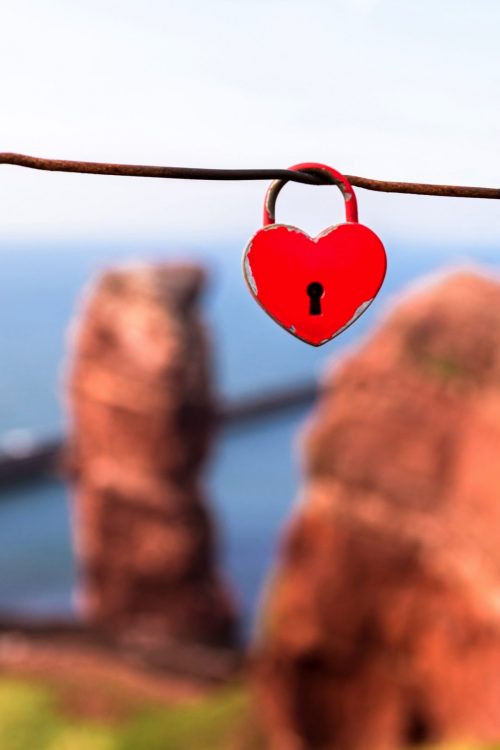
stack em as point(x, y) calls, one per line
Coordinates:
point(334, 177)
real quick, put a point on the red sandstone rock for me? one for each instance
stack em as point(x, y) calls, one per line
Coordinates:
point(382, 623)
point(142, 413)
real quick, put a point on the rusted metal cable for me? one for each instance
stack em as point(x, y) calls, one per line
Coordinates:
point(423, 188)
point(139, 170)
point(193, 173)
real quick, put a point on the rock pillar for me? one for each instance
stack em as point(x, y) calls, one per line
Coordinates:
point(142, 418)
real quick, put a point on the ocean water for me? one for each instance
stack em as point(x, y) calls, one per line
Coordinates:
point(254, 477)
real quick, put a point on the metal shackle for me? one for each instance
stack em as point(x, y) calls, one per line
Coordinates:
point(329, 174)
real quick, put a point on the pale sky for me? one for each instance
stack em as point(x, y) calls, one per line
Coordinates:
point(391, 89)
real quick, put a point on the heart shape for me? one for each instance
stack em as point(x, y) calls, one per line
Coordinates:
point(315, 287)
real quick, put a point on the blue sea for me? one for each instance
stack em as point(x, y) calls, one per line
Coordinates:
point(254, 477)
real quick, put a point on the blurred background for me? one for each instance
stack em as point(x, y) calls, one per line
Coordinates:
point(377, 88)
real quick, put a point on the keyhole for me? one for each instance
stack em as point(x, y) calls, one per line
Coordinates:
point(315, 291)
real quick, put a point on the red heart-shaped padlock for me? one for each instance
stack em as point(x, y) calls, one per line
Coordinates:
point(315, 287)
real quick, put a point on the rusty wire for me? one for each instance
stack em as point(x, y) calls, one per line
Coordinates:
point(193, 173)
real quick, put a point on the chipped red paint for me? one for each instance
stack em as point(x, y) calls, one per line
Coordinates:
point(345, 265)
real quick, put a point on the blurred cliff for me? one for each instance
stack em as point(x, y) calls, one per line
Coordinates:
point(381, 625)
point(142, 409)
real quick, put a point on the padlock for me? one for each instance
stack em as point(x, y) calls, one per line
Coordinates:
point(314, 287)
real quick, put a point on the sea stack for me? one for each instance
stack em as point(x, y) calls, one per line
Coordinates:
point(381, 625)
point(142, 409)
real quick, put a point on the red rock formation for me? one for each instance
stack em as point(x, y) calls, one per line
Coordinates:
point(382, 623)
point(142, 408)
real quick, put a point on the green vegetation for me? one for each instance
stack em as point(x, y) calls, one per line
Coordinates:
point(31, 718)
